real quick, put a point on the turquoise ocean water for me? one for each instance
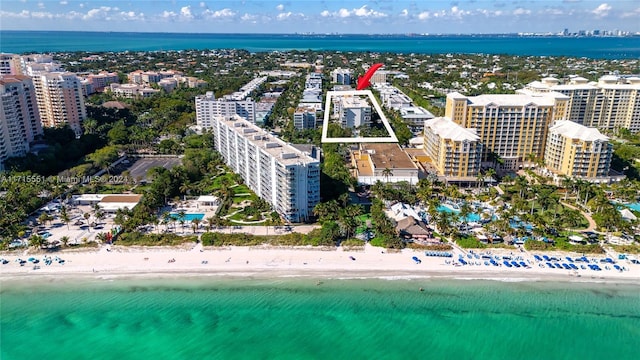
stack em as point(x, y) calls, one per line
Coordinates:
point(590, 47)
point(295, 318)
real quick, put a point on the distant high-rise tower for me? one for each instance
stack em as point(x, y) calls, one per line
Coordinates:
point(60, 100)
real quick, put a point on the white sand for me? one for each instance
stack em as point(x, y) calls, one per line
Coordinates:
point(371, 262)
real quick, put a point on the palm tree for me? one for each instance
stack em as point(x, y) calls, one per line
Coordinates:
point(210, 222)
point(64, 216)
point(44, 218)
point(195, 223)
point(465, 211)
point(37, 241)
point(86, 217)
point(386, 172)
point(64, 240)
point(479, 178)
point(566, 183)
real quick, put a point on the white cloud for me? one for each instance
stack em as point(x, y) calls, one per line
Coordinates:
point(185, 12)
point(424, 15)
point(40, 5)
point(24, 14)
point(404, 13)
point(602, 10)
point(280, 7)
point(101, 13)
point(248, 17)
point(64, 2)
point(169, 15)
point(362, 12)
point(521, 11)
point(203, 4)
point(283, 16)
point(223, 13)
point(289, 15)
point(634, 13)
point(132, 16)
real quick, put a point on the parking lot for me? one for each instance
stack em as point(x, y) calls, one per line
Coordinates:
point(139, 167)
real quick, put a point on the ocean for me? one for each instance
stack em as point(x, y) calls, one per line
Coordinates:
point(60, 41)
point(301, 318)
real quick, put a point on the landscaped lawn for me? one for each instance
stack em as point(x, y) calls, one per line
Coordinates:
point(241, 189)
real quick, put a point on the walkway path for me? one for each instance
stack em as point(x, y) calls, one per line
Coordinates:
point(592, 224)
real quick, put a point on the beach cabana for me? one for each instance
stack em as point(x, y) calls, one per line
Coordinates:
point(576, 240)
point(208, 200)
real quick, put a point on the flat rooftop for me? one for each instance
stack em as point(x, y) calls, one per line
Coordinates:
point(285, 153)
point(388, 156)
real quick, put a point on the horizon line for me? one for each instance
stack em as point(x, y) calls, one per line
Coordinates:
point(522, 33)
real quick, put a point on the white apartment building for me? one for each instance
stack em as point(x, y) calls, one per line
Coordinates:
point(60, 100)
point(342, 76)
point(611, 103)
point(304, 118)
point(282, 175)
point(19, 116)
point(208, 107)
point(352, 111)
point(132, 91)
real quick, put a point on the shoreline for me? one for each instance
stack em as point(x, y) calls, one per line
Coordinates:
point(121, 263)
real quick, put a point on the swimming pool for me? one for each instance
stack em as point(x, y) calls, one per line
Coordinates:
point(473, 217)
point(634, 206)
point(187, 217)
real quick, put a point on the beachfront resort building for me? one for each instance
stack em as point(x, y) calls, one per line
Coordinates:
point(383, 162)
point(575, 150)
point(19, 116)
point(60, 100)
point(511, 126)
point(284, 176)
point(208, 107)
point(454, 151)
point(611, 103)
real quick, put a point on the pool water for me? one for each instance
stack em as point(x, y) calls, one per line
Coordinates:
point(188, 217)
point(473, 217)
point(634, 206)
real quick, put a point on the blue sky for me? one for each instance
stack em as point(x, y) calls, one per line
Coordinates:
point(321, 16)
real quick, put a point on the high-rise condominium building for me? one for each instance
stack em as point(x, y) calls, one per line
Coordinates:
point(575, 150)
point(60, 100)
point(208, 107)
point(10, 64)
point(19, 116)
point(455, 151)
point(611, 103)
point(512, 126)
point(282, 175)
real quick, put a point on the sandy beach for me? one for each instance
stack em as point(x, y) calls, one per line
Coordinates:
point(370, 262)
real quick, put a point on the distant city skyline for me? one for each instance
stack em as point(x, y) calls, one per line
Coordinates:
point(323, 16)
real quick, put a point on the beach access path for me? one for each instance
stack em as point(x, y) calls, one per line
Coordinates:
point(592, 223)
